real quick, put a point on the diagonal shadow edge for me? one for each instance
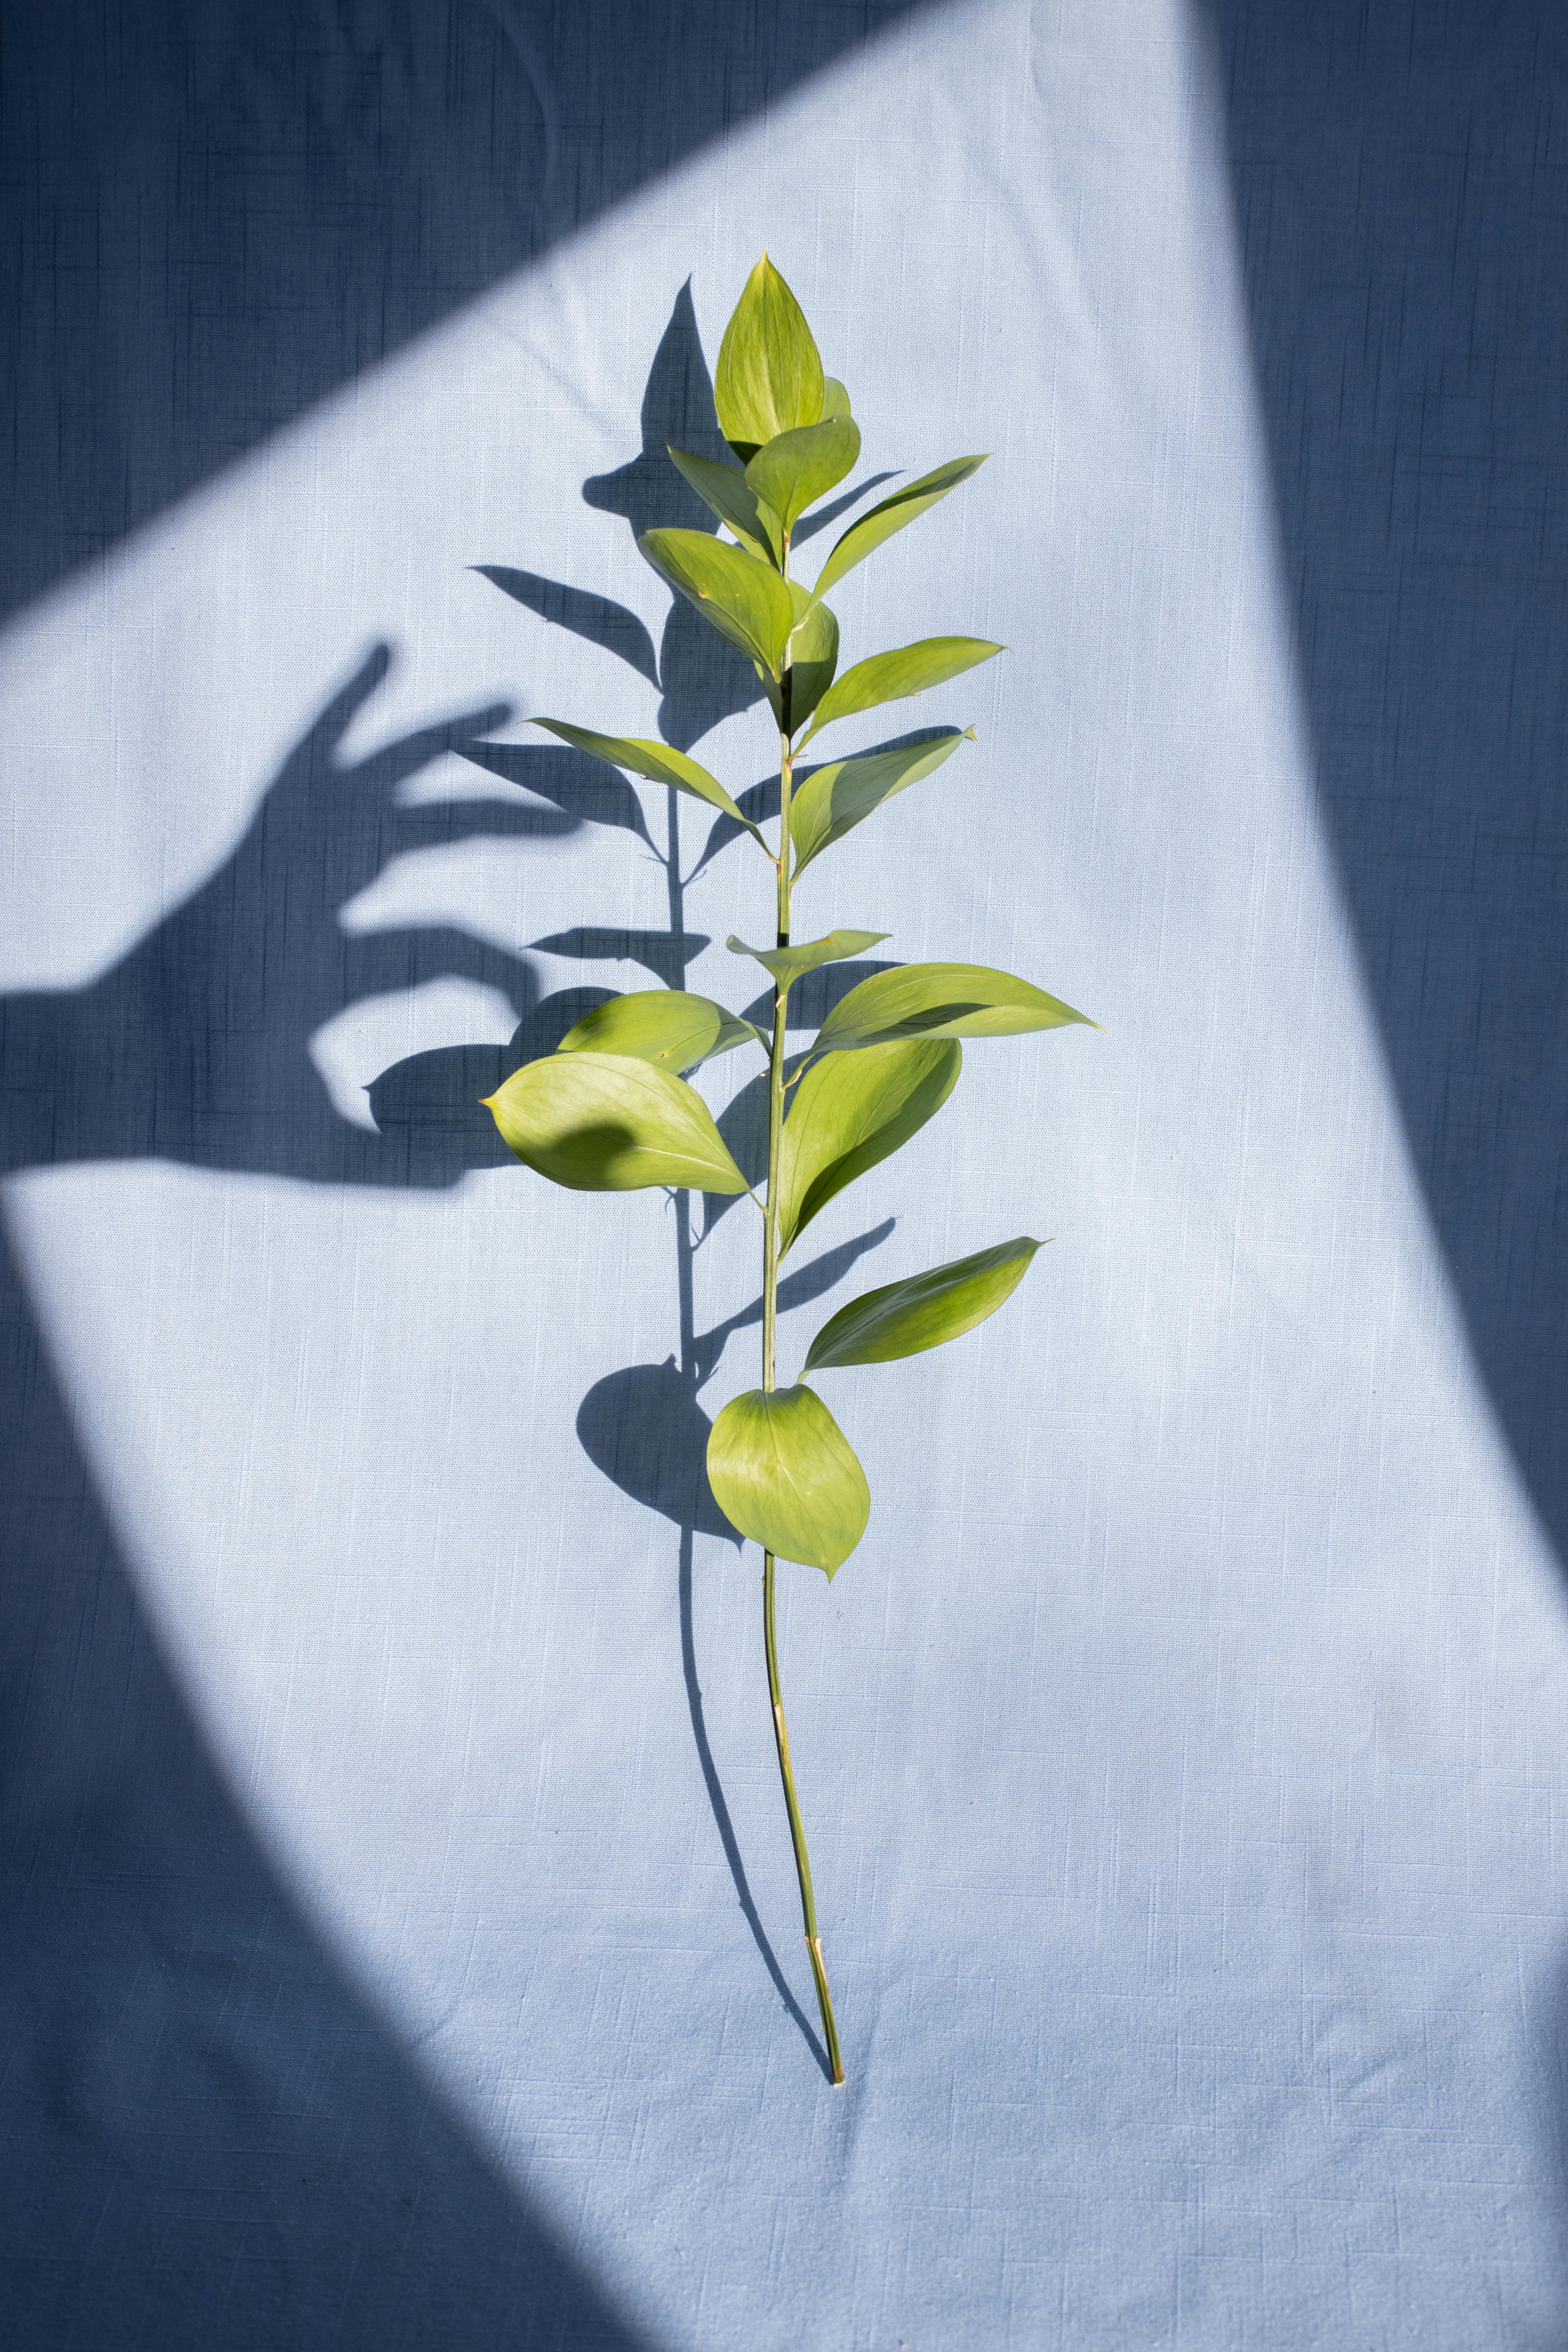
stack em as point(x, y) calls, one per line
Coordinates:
point(187, 2067)
point(192, 139)
point(1403, 252)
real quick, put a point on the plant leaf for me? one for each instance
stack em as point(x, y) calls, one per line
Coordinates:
point(892, 677)
point(940, 1000)
point(787, 964)
point(851, 1111)
point(865, 535)
point(835, 399)
point(666, 1026)
point(612, 1123)
point(906, 1317)
point(736, 592)
point(726, 490)
point(782, 1473)
point(659, 763)
point(790, 472)
point(769, 378)
point(813, 656)
point(836, 798)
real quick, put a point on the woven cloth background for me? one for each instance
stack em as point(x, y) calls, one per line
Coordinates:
point(400, 1941)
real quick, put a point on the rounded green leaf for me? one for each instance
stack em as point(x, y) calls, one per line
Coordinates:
point(893, 677)
point(658, 762)
point(906, 1317)
point(851, 1111)
point(787, 964)
point(611, 1123)
point(833, 800)
point(769, 378)
point(666, 1026)
point(788, 473)
point(865, 536)
point(835, 399)
point(940, 1000)
point(782, 1473)
point(742, 597)
point(726, 490)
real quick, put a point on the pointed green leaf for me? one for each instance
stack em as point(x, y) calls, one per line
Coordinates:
point(864, 537)
point(726, 490)
point(782, 1473)
point(787, 964)
point(610, 1123)
point(769, 378)
point(906, 1317)
point(658, 762)
point(788, 473)
point(892, 677)
point(813, 656)
point(666, 1026)
point(740, 596)
point(836, 798)
point(851, 1111)
point(940, 1000)
point(835, 399)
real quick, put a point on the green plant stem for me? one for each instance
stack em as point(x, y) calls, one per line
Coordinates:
point(797, 1830)
point(770, 1323)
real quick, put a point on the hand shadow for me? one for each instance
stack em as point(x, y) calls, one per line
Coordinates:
point(195, 1046)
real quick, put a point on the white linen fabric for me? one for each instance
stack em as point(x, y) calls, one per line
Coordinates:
point(1180, 1752)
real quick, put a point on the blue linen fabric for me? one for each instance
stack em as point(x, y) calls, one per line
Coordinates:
point(402, 1942)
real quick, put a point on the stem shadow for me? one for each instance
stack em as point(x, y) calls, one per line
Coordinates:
point(720, 1812)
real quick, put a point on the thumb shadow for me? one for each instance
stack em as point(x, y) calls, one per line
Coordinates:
point(432, 1103)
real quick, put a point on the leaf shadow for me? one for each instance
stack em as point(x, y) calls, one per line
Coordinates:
point(663, 953)
point(822, 517)
point(598, 619)
point(806, 1285)
point(645, 1431)
point(582, 788)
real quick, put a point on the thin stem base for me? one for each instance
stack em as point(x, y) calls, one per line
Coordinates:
point(797, 1830)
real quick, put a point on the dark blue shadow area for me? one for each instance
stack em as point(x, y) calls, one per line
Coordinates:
point(208, 2142)
point(1401, 177)
point(213, 214)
